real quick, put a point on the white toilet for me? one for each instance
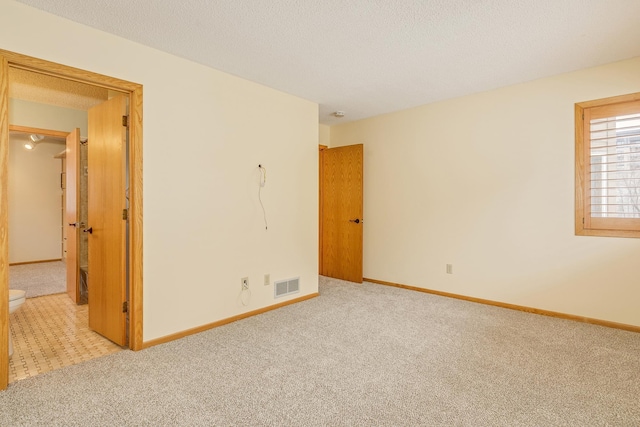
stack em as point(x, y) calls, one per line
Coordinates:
point(16, 299)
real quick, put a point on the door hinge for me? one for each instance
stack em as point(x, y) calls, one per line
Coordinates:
point(125, 214)
point(125, 121)
point(125, 307)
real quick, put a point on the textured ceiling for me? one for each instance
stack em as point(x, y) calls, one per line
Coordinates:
point(369, 57)
point(44, 89)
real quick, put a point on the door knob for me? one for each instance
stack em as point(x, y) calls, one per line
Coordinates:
point(89, 230)
point(73, 224)
point(357, 220)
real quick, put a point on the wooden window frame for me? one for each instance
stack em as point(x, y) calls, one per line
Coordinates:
point(584, 226)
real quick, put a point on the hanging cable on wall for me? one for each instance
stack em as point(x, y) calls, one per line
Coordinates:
point(263, 181)
point(245, 296)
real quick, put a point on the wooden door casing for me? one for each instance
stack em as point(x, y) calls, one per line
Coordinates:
point(10, 59)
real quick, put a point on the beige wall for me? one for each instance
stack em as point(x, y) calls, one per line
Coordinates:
point(324, 135)
point(205, 132)
point(485, 182)
point(35, 201)
point(43, 116)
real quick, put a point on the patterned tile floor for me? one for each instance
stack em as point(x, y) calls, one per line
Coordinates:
point(51, 332)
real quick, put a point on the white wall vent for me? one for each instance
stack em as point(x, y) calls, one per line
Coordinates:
point(286, 287)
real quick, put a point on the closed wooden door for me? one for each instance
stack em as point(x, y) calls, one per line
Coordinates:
point(341, 212)
point(72, 218)
point(106, 226)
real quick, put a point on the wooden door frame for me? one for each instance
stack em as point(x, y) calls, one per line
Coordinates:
point(15, 60)
point(321, 148)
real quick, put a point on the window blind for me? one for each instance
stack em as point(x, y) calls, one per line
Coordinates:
point(614, 162)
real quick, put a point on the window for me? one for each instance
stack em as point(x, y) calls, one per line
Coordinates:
point(608, 167)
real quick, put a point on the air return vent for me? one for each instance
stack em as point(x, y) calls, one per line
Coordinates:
point(286, 287)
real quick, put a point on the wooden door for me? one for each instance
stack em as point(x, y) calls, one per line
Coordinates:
point(106, 226)
point(341, 212)
point(72, 218)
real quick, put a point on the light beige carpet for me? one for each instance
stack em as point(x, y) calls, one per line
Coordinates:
point(357, 355)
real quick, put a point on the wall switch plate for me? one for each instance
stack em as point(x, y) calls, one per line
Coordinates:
point(449, 268)
point(267, 279)
point(245, 283)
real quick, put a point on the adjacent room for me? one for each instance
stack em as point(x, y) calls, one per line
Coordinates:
point(43, 111)
point(362, 213)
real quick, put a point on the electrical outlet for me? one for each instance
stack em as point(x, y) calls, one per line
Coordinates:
point(449, 268)
point(267, 279)
point(245, 283)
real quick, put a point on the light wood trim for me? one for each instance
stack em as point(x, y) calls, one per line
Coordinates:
point(321, 148)
point(526, 309)
point(615, 109)
point(585, 167)
point(610, 100)
point(28, 63)
point(609, 233)
point(579, 171)
point(35, 262)
point(45, 132)
point(622, 224)
point(135, 219)
point(4, 222)
point(226, 321)
point(134, 90)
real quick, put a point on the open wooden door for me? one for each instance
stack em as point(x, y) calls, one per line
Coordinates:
point(341, 212)
point(72, 201)
point(107, 219)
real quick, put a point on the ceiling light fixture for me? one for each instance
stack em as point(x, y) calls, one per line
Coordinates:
point(35, 139)
point(339, 114)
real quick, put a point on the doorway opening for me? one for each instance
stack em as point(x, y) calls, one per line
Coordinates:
point(50, 330)
point(133, 214)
